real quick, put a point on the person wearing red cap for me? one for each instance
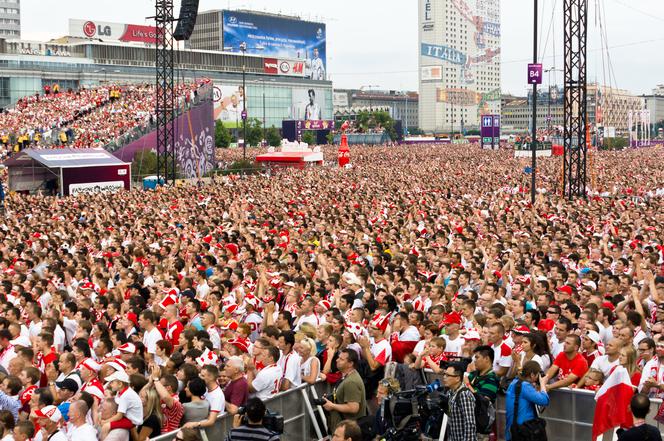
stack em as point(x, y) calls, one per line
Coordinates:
point(453, 340)
point(376, 349)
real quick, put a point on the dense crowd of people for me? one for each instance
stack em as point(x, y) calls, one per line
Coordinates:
point(150, 312)
point(83, 118)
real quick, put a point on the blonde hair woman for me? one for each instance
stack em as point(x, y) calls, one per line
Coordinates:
point(627, 359)
point(152, 416)
point(309, 364)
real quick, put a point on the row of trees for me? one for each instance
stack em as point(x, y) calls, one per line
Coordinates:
point(224, 137)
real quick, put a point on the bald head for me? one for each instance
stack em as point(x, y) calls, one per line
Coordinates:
point(78, 411)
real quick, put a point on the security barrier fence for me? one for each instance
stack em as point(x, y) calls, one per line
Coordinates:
point(569, 415)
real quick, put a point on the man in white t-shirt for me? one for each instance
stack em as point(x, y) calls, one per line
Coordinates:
point(78, 427)
point(151, 336)
point(307, 314)
point(265, 383)
point(502, 353)
point(214, 395)
point(130, 406)
point(606, 362)
point(289, 362)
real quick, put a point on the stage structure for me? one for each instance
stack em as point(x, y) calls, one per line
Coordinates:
point(165, 107)
point(575, 112)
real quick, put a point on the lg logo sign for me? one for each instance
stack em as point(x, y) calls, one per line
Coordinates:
point(90, 29)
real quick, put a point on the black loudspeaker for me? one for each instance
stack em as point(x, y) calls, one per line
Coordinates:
point(187, 20)
point(398, 127)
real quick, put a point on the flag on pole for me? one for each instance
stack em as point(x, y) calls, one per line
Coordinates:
point(613, 398)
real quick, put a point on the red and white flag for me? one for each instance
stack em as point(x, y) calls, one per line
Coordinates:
point(613, 398)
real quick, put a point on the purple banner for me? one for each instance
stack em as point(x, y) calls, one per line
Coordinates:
point(490, 131)
point(194, 142)
point(315, 125)
point(534, 73)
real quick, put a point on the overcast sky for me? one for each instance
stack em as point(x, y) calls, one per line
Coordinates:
point(374, 42)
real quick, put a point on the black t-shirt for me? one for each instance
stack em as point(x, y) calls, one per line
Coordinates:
point(153, 423)
point(645, 432)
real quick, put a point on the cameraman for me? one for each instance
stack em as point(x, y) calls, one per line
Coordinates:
point(251, 427)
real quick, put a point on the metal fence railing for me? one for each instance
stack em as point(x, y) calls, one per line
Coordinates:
point(295, 406)
point(569, 416)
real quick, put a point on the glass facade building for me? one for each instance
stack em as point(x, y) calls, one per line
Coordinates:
point(26, 67)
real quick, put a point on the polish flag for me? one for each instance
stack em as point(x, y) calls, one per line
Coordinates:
point(613, 398)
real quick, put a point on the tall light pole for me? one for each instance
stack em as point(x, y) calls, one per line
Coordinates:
point(533, 145)
point(243, 48)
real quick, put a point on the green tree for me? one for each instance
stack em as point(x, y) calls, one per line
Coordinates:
point(222, 136)
point(615, 143)
point(144, 163)
point(254, 132)
point(330, 138)
point(273, 137)
point(309, 137)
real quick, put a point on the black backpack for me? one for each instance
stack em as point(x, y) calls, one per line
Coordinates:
point(485, 414)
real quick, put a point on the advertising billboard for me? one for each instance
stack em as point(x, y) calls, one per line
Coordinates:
point(278, 38)
point(308, 104)
point(228, 105)
point(291, 68)
point(107, 31)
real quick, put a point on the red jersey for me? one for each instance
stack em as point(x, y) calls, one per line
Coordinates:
point(577, 366)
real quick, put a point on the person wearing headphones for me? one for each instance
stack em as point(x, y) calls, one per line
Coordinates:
point(387, 387)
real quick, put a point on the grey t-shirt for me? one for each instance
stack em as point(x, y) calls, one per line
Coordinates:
point(196, 411)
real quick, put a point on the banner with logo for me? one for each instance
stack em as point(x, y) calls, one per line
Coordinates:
point(278, 38)
point(291, 68)
point(108, 31)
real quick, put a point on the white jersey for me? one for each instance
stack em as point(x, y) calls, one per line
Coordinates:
point(453, 347)
point(381, 351)
point(267, 382)
point(217, 400)
point(130, 404)
point(603, 364)
point(290, 366)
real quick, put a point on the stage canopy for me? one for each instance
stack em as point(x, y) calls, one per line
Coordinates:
point(67, 171)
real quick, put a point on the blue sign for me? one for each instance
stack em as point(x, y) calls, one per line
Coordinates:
point(527, 170)
point(444, 53)
point(277, 37)
point(491, 28)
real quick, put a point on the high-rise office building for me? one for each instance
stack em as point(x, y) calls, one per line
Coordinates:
point(459, 63)
point(10, 19)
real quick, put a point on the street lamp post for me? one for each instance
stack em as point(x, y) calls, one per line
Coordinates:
point(243, 48)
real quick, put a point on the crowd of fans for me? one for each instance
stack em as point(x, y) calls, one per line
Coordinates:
point(88, 117)
point(149, 312)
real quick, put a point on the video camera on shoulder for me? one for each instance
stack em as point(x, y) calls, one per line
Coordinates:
point(463, 361)
point(272, 421)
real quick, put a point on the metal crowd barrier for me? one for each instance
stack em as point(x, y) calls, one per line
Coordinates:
point(569, 416)
point(300, 424)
